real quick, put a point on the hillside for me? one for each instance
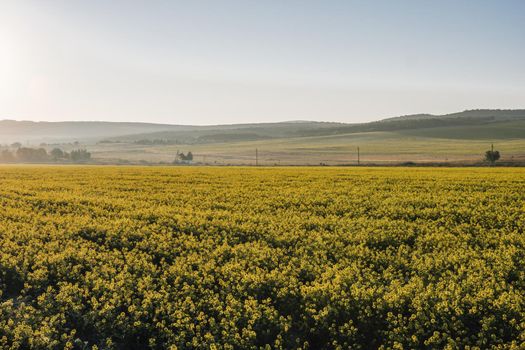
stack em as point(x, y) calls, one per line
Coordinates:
point(463, 120)
point(455, 137)
point(94, 131)
point(236, 132)
point(469, 121)
point(488, 123)
point(24, 131)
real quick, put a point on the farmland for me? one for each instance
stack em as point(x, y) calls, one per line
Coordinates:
point(96, 257)
point(376, 148)
point(456, 139)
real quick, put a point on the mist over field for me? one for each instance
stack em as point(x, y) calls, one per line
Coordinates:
point(460, 138)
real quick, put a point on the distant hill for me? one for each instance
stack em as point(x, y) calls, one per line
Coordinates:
point(35, 132)
point(470, 124)
point(467, 124)
point(463, 120)
point(500, 114)
point(22, 131)
point(236, 132)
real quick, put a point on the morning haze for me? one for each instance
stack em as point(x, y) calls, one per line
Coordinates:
point(224, 62)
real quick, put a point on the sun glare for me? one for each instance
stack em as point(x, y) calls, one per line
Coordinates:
point(8, 64)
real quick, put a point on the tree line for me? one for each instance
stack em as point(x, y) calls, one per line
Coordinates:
point(35, 155)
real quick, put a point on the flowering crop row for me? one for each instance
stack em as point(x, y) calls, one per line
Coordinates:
point(260, 258)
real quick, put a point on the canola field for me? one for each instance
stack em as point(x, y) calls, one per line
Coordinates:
point(261, 258)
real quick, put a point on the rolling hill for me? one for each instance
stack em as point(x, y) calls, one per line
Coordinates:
point(422, 137)
point(29, 131)
point(503, 123)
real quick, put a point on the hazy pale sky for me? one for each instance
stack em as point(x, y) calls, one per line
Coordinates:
point(213, 62)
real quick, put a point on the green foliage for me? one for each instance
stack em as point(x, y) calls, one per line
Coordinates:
point(261, 258)
point(492, 156)
point(26, 154)
point(80, 155)
point(6, 156)
point(57, 153)
point(187, 157)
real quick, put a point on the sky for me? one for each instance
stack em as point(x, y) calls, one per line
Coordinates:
point(222, 61)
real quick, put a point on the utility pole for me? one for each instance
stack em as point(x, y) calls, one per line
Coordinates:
point(358, 156)
point(256, 157)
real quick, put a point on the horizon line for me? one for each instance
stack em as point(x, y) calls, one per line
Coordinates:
point(264, 122)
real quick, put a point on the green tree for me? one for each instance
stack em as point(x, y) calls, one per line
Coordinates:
point(492, 156)
point(26, 154)
point(6, 156)
point(186, 157)
point(57, 154)
point(80, 155)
